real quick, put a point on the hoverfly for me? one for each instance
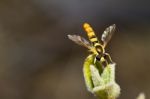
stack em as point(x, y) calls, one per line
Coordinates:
point(95, 46)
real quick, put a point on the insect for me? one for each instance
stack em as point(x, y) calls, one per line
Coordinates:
point(98, 67)
point(96, 46)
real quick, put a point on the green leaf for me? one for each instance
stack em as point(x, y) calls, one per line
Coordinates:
point(87, 72)
point(100, 80)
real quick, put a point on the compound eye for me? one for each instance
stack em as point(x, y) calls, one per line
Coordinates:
point(98, 57)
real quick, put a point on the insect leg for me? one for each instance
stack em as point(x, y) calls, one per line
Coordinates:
point(101, 60)
point(108, 58)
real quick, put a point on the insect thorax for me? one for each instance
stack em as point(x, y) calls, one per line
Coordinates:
point(100, 49)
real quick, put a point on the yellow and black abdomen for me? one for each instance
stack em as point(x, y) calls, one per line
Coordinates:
point(93, 39)
point(90, 32)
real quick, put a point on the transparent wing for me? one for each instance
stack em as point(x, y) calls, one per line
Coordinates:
point(80, 41)
point(106, 36)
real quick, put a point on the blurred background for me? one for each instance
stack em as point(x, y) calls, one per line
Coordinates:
point(38, 61)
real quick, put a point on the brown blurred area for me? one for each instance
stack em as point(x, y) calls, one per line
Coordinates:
point(37, 61)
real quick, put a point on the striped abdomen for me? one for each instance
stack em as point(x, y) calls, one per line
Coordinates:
point(92, 37)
